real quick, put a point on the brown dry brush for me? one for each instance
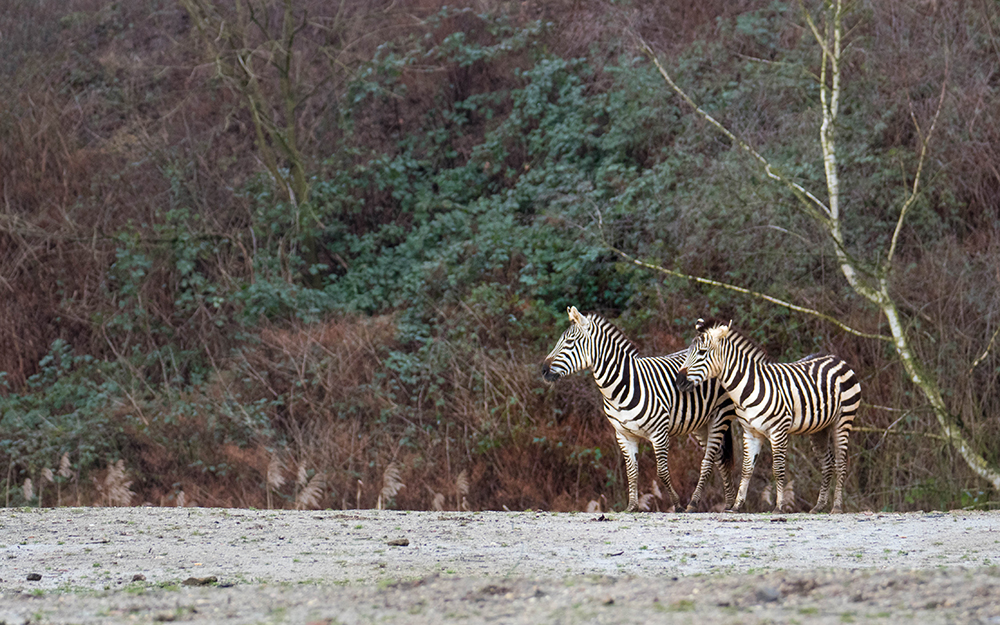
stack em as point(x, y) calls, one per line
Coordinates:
point(346, 412)
point(59, 157)
point(501, 446)
point(76, 166)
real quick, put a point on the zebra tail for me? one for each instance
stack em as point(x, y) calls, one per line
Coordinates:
point(727, 455)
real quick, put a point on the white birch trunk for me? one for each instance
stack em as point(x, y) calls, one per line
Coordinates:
point(951, 426)
point(874, 289)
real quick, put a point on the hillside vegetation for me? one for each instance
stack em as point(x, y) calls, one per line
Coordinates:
point(295, 253)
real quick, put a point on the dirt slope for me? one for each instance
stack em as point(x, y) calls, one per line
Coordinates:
point(517, 567)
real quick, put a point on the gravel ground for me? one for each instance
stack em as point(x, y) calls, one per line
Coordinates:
point(146, 565)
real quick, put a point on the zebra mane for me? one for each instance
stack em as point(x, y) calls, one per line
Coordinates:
point(613, 331)
point(742, 341)
point(749, 346)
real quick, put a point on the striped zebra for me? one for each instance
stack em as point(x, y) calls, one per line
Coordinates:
point(818, 395)
point(642, 401)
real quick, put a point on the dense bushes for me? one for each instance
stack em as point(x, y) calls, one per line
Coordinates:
point(239, 342)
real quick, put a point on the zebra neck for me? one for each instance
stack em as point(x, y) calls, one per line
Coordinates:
point(739, 375)
point(614, 371)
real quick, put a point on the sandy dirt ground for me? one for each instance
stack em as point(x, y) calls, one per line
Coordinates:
point(152, 565)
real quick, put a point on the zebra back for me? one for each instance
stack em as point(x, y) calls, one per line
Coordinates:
point(818, 395)
point(642, 400)
point(815, 389)
point(639, 391)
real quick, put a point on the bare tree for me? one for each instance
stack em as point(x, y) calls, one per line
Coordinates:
point(871, 281)
point(284, 66)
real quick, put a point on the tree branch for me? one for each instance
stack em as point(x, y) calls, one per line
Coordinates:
point(924, 143)
point(811, 205)
point(885, 432)
point(815, 207)
point(738, 289)
point(828, 216)
point(985, 353)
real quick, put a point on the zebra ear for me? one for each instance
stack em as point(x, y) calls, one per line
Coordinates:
point(700, 325)
point(575, 316)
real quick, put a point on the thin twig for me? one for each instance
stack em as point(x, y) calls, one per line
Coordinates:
point(986, 352)
point(885, 408)
point(914, 191)
point(811, 205)
point(738, 289)
point(814, 206)
point(885, 431)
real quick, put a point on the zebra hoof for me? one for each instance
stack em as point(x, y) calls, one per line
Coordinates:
point(690, 508)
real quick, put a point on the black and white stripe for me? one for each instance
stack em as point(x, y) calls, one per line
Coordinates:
point(642, 401)
point(818, 395)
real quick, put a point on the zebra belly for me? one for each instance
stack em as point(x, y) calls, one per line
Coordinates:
point(630, 427)
point(795, 423)
point(802, 426)
point(758, 421)
point(811, 415)
point(646, 427)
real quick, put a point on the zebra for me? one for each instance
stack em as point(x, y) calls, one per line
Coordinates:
point(818, 395)
point(642, 401)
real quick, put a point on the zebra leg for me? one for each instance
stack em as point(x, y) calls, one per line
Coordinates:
point(726, 463)
point(753, 441)
point(629, 447)
point(779, 450)
point(822, 444)
point(839, 444)
point(711, 443)
point(661, 445)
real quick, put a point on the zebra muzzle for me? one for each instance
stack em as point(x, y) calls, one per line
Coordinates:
point(683, 382)
point(547, 373)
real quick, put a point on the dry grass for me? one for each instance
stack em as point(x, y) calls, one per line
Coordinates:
point(114, 489)
point(81, 160)
point(391, 485)
point(310, 494)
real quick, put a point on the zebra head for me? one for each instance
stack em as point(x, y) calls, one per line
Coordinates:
point(574, 351)
point(704, 356)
